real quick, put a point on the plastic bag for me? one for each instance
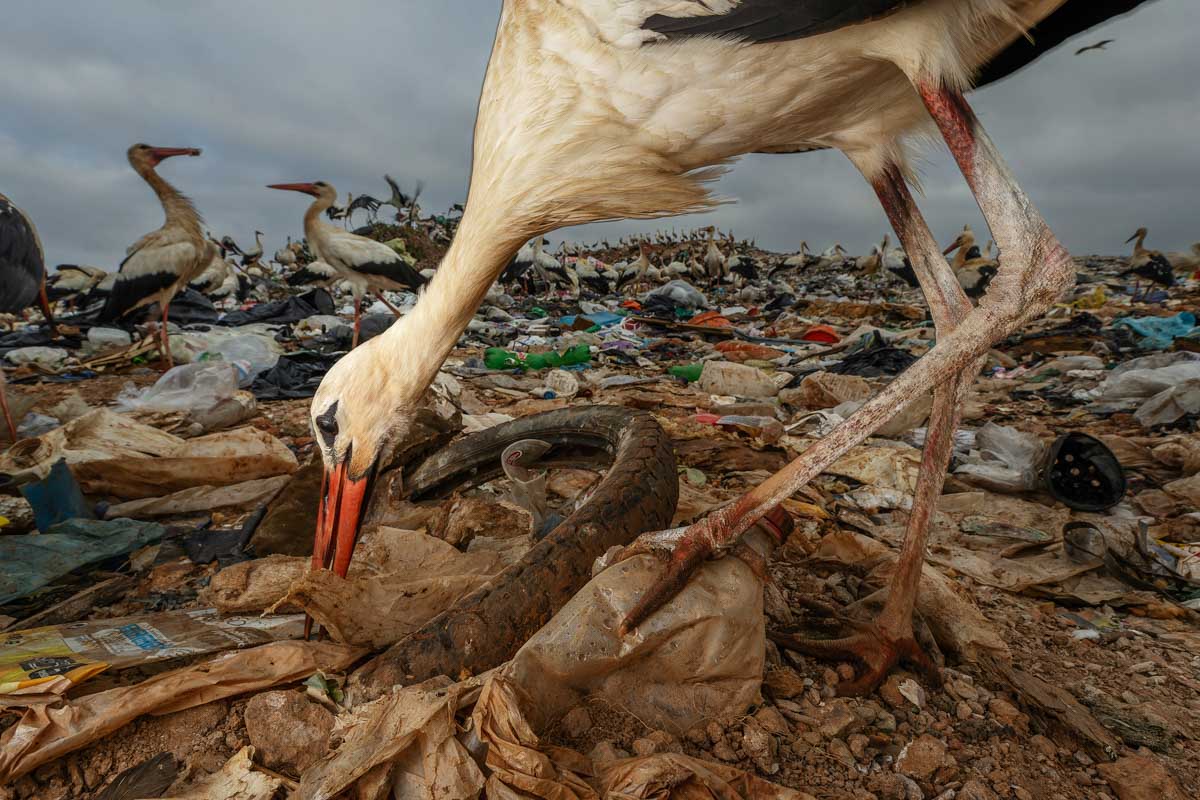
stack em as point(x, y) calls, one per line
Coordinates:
point(681, 293)
point(1145, 377)
point(188, 387)
point(1008, 459)
point(251, 354)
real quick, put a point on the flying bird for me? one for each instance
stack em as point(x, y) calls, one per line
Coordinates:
point(1100, 45)
point(651, 98)
point(367, 265)
point(164, 261)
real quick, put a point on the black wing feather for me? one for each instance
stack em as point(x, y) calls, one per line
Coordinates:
point(774, 20)
point(1071, 19)
point(22, 267)
point(128, 291)
point(397, 271)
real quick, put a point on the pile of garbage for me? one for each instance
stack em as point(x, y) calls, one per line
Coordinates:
point(156, 530)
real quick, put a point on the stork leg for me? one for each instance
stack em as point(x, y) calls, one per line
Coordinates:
point(880, 645)
point(357, 319)
point(44, 301)
point(384, 300)
point(8, 420)
point(164, 337)
point(1034, 270)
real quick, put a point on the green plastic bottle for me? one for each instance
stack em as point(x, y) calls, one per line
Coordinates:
point(689, 372)
point(499, 358)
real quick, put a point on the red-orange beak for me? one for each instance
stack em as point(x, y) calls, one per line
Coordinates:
point(339, 515)
point(954, 246)
point(306, 188)
point(161, 153)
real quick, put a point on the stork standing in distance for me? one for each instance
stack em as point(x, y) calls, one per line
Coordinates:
point(714, 262)
point(650, 98)
point(164, 261)
point(367, 265)
point(1146, 263)
point(22, 277)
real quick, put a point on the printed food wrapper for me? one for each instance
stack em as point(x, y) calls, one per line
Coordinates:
point(80, 650)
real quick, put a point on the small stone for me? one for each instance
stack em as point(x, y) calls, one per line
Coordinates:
point(772, 721)
point(716, 733)
point(664, 742)
point(644, 747)
point(963, 710)
point(890, 690)
point(1021, 793)
point(1140, 778)
point(975, 789)
point(858, 745)
point(784, 682)
point(723, 751)
point(885, 722)
point(576, 723)
point(841, 751)
point(1004, 711)
point(836, 719)
point(921, 757)
point(698, 736)
point(1083, 758)
point(1044, 746)
point(845, 672)
point(288, 730)
point(760, 747)
point(889, 786)
point(1142, 667)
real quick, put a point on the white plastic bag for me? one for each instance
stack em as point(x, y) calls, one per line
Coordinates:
point(1007, 462)
point(188, 387)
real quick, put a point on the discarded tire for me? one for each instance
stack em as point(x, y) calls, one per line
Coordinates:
point(485, 628)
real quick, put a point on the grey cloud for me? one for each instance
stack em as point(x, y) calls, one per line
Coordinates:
point(279, 90)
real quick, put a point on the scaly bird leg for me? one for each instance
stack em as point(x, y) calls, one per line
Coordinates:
point(1033, 272)
point(384, 300)
point(8, 420)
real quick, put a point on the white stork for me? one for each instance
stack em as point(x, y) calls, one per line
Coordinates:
point(367, 265)
point(714, 262)
point(73, 281)
point(649, 96)
point(164, 261)
point(22, 276)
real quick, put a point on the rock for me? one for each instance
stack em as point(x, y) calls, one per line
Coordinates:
point(975, 789)
point(772, 721)
point(889, 786)
point(835, 719)
point(963, 710)
point(890, 690)
point(1140, 778)
point(885, 722)
point(841, 751)
point(576, 723)
point(644, 747)
point(784, 682)
point(698, 736)
point(723, 751)
point(663, 742)
point(1022, 793)
point(1044, 746)
point(858, 745)
point(760, 747)
point(922, 757)
point(289, 731)
point(1004, 711)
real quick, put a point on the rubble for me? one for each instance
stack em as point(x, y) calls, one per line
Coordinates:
point(1067, 634)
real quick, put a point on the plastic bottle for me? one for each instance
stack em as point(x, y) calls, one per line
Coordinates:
point(689, 372)
point(769, 429)
point(499, 358)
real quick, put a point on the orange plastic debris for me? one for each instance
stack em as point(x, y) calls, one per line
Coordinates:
point(821, 333)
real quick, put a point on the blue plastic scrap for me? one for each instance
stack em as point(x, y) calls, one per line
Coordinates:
point(1158, 333)
point(30, 562)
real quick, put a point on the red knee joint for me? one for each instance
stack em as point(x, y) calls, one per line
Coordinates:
point(956, 121)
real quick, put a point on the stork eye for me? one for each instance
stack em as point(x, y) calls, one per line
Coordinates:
point(327, 426)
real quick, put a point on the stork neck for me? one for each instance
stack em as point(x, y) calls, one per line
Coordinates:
point(420, 342)
point(177, 208)
point(312, 217)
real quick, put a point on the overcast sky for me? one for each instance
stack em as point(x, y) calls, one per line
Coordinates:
point(285, 90)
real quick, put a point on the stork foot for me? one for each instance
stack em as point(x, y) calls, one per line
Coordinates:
point(874, 645)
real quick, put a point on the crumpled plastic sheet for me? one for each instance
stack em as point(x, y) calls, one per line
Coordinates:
point(294, 376)
point(283, 312)
point(699, 657)
point(30, 562)
point(237, 780)
point(46, 732)
point(1008, 459)
point(1158, 333)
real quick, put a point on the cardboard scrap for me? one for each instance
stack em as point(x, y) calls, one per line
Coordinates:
point(237, 780)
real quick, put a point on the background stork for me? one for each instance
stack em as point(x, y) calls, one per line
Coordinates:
point(164, 261)
point(367, 265)
point(22, 277)
point(649, 98)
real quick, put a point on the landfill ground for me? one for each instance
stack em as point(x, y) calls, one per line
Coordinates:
point(1077, 670)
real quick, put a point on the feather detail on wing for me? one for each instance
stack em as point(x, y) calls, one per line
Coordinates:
point(371, 258)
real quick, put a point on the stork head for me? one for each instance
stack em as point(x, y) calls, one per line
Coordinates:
point(364, 413)
point(143, 156)
point(1140, 233)
point(318, 189)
